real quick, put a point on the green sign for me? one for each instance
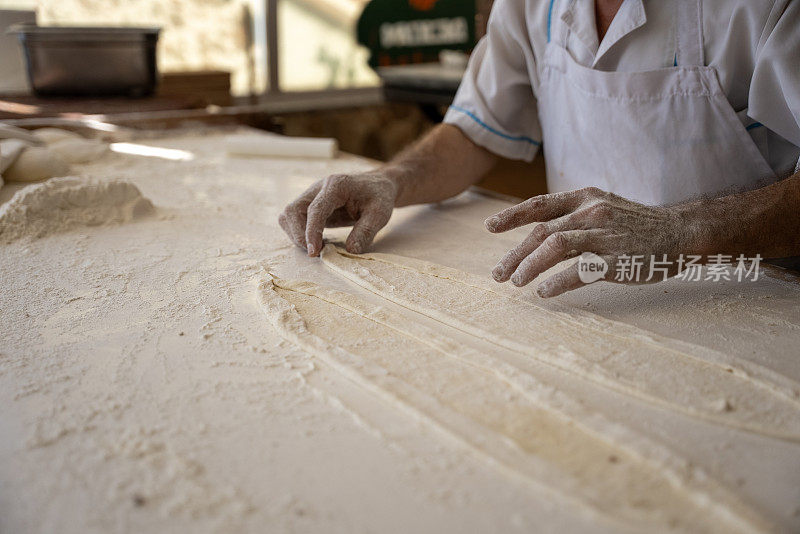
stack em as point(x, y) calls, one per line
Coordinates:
point(399, 32)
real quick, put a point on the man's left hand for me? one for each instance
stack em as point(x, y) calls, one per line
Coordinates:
point(587, 220)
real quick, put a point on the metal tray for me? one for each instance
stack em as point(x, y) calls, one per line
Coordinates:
point(90, 61)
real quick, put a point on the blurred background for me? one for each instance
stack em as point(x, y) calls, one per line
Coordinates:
point(375, 75)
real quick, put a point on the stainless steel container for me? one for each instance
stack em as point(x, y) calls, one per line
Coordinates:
point(90, 61)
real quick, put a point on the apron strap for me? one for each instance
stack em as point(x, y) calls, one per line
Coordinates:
point(689, 33)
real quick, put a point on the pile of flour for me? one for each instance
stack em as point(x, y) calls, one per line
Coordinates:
point(61, 204)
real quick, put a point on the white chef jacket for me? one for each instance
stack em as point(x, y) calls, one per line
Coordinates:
point(754, 46)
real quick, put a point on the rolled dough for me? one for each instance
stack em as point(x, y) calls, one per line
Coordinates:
point(687, 378)
point(50, 135)
point(279, 146)
point(76, 151)
point(33, 164)
point(70, 146)
point(520, 425)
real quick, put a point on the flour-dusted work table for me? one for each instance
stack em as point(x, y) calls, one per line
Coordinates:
point(142, 387)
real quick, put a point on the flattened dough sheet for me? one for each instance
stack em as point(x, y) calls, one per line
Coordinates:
point(523, 427)
point(687, 378)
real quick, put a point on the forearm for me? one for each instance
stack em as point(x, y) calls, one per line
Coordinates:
point(765, 221)
point(439, 166)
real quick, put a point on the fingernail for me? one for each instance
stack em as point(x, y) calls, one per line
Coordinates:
point(491, 223)
point(498, 272)
point(355, 248)
point(543, 291)
point(312, 250)
point(516, 280)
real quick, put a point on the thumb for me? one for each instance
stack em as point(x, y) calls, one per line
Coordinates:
point(365, 229)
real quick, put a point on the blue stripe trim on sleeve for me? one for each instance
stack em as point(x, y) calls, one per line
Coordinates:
point(493, 130)
point(549, 18)
point(754, 125)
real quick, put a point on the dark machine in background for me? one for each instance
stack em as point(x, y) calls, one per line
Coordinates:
point(414, 47)
point(406, 40)
point(90, 61)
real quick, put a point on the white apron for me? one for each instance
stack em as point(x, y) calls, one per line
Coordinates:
point(656, 137)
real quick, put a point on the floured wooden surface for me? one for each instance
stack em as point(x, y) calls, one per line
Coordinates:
point(521, 426)
point(688, 378)
point(141, 386)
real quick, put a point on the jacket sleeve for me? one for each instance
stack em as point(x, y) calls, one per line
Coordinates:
point(495, 105)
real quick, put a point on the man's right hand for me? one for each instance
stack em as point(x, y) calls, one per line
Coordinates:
point(439, 166)
point(364, 201)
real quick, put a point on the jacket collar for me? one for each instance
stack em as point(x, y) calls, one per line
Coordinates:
point(580, 19)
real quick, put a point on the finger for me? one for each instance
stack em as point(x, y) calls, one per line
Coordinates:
point(294, 226)
point(509, 263)
point(293, 219)
point(561, 282)
point(552, 251)
point(325, 203)
point(365, 229)
point(506, 267)
point(539, 209)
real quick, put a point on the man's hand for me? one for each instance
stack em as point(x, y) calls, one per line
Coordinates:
point(587, 220)
point(439, 166)
point(364, 201)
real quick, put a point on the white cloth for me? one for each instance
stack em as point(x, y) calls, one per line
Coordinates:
point(752, 47)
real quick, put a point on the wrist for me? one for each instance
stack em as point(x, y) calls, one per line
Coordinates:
point(399, 178)
point(701, 227)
